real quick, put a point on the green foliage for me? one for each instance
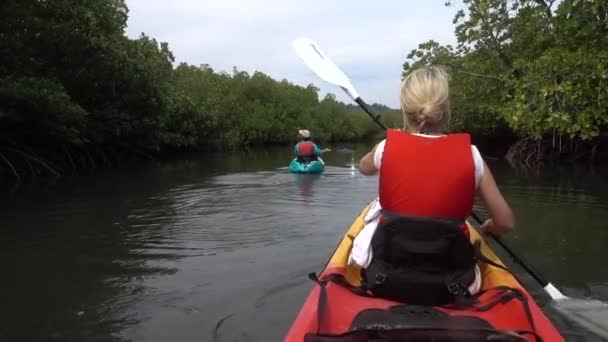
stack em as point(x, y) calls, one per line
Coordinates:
point(538, 67)
point(72, 83)
point(223, 110)
point(42, 107)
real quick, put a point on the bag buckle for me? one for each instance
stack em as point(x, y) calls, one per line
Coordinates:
point(380, 278)
point(454, 289)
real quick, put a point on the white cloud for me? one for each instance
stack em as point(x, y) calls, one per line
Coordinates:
point(369, 40)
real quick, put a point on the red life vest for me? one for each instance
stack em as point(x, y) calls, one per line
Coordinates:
point(427, 177)
point(306, 148)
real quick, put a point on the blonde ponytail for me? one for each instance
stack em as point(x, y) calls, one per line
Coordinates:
point(425, 99)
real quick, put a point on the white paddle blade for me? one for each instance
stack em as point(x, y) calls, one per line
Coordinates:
point(318, 62)
point(553, 292)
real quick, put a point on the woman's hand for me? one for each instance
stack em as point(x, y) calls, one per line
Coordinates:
point(489, 228)
point(366, 164)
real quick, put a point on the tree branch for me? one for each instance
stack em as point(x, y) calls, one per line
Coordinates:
point(10, 165)
point(462, 71)
point(546, 6)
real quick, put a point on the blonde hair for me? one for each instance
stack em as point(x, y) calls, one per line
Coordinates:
point(425, 98)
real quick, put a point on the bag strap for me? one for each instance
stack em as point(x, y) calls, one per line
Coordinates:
point(322, 301)
point(482, 258)
point(505, 295)
point(341, 280)
point(516, 292)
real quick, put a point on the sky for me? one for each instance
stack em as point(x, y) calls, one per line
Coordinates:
point(368, 39)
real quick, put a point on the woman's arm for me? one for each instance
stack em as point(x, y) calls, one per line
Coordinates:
point(366, 164)
point(501, 218)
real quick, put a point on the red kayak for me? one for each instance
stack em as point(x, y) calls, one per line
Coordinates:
point(504, 310)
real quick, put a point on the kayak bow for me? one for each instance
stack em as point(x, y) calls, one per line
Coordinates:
point(332, 312)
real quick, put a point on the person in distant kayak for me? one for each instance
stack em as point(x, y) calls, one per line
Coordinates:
point(427, 184)
point(306, 150)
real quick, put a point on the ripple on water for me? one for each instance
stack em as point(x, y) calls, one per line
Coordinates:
point(238, 210)
point(545, 196)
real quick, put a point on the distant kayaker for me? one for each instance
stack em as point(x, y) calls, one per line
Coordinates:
point(427, 184)
point(306, 150)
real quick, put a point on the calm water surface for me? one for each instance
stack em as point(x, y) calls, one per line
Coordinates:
point(217, 247)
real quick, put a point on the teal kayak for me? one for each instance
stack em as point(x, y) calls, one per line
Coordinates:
point(315, 166)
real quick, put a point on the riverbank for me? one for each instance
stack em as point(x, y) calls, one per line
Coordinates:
point(49, 165)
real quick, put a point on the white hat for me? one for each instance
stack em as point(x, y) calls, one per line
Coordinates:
point(304, 133)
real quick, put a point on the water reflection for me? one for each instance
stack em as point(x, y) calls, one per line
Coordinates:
point(305, 183)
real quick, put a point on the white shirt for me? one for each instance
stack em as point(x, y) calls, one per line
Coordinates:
point(476, 157)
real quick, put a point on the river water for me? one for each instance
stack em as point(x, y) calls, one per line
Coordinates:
point(217, 247)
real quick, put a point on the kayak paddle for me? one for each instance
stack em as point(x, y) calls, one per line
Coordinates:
point(317, 61)
point(553, 292)
point(591, 314)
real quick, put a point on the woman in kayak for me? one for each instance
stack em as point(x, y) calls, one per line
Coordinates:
point(426, 112)
point(427, 177)
point(306, 150)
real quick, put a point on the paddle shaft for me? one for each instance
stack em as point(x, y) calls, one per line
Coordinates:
point(365, 107)
point(517, 259)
